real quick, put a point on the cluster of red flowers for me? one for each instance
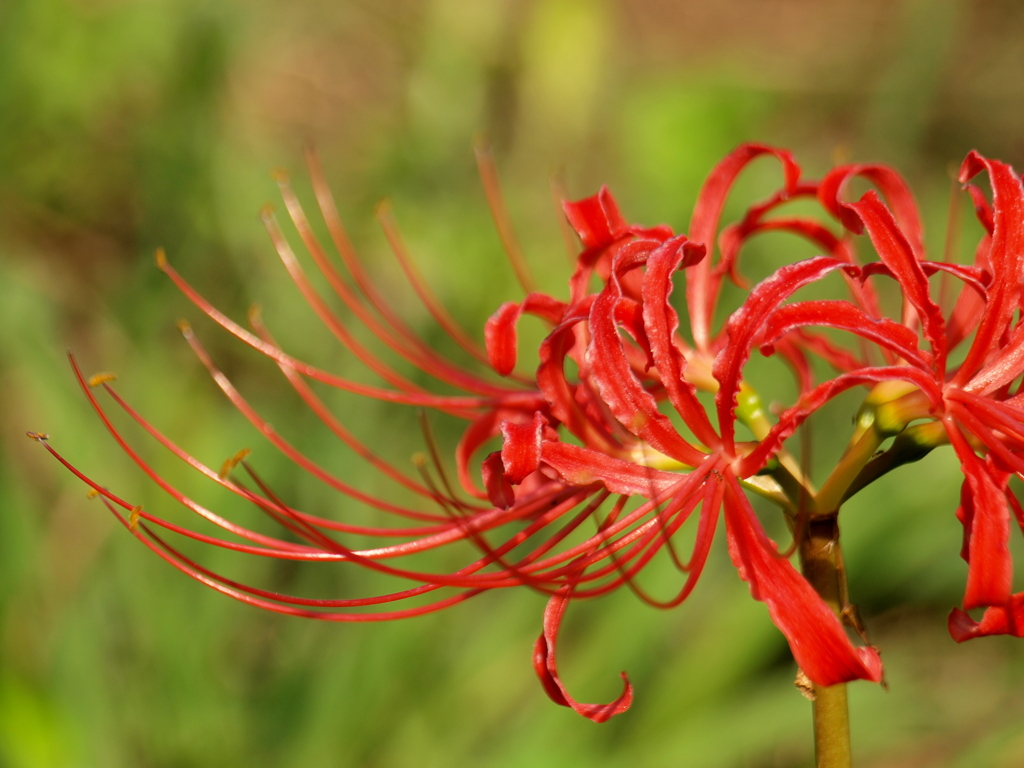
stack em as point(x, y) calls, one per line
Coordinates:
point(611, 427)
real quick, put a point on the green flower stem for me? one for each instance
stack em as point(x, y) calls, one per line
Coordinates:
point(832, 728)
point(916, 442)
point(820, 561)
point(878, 420)
point(856, 457)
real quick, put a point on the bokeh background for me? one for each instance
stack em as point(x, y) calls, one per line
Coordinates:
point(129, 124)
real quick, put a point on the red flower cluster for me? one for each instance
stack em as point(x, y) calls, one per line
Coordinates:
point(974, 405)
point(611, 426)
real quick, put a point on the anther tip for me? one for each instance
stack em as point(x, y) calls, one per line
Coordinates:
point(419, 459)
point(841, 153)
point(133, 519)
point(267, 212)
point(280, 175)
point(39, 437)
point(101, 378)
point(161, 258)
point(185, 327)
point(255, 313)
point(92, 493)
point(231, 463)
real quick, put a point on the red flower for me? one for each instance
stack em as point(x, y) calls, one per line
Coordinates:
point(631, 360)
point(975, 405)
point(574, 446)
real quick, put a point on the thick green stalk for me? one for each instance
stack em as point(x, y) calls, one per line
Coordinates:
point(820, 560)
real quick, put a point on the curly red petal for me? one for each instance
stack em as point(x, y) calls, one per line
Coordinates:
point(500, 337)
point(998, 620)
point(547, 670)
point(986, 519)
point(705, 281)
point(1006, 259)
point(746, 324)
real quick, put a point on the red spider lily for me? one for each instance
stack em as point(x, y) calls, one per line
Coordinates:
point(574, 447)
point(975, 405)
point(631, 359)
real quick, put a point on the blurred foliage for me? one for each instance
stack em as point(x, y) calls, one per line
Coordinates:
point(129, 124)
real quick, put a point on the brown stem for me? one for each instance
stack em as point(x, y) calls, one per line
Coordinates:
point(820, 561)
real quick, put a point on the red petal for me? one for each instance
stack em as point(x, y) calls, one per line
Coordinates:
point(816, 636)
point(890, 184)
point(981, 415)
point(977, 278)
point(500, 330)
point(733, 237)
point(596, 219)
point(499, 491)
point(476, 434)
point(1004, 367)
point(582, 466)
point(746, 323)
point(544, 665)
point(520, 453)
point(982, 209)
point(838, 357)
point(1005, 255)
point(998, 620)
point(703, 283)
point(602, 229)
point(897, 250)
point(986, 519)
point(844, 316)
point(661, 323)
point(798, 363)
point(813, 231)
point(632, 405)
point(567, 340)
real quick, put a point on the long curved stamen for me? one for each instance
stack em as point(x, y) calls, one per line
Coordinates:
point(386, 218)
point(348, 253)
point(488, 172)
point(268, 431)
point(411, 349)
point(317, 406)
point(457, 405)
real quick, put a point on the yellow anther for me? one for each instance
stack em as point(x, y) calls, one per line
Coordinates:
point(231, 463)
point(101, 378)
point(280, 175)
point(185, 327)
point(92, 493)
point(133, 519)
point(419, 459)
point(266, 212)
point(255, 313)
point(161, 258)
point(37, 436)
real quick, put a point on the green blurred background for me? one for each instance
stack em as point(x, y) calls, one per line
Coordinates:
point(127, 125)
